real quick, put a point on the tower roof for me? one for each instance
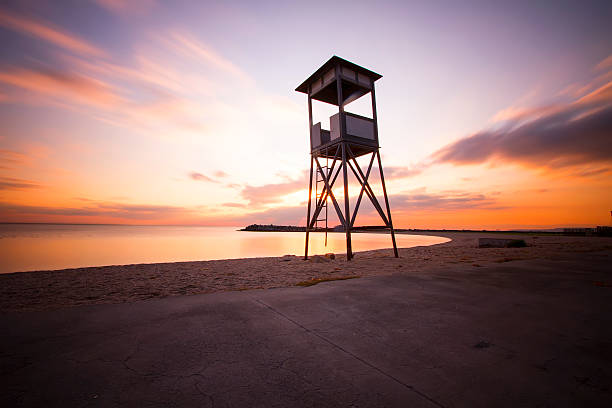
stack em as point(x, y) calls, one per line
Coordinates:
point(332, 62)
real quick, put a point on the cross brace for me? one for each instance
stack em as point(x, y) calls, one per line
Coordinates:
point(344, 156)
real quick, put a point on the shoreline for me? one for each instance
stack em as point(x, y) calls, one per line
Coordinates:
point(46, 290)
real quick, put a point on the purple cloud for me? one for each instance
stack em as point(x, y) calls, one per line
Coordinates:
point(576, 134)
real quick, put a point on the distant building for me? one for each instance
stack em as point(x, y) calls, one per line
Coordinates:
point(578, 231)
point(601, 230)
point(604, 230)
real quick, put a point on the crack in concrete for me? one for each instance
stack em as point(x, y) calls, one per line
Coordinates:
point(390, 376)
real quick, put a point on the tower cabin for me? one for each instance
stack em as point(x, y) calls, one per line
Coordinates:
point(339, 82)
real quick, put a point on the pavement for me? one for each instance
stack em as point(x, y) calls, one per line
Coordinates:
point(534, 333)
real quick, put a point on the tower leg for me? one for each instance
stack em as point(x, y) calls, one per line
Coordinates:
point(382, 180)
point(347, 214)
point(308, 213)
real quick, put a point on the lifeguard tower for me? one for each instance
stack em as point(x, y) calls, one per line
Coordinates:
point(339, 82)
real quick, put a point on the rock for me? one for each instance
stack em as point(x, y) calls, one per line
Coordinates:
point(330, 255)
point(482, 344)
point(500, 243)
point(287, 258)
point(319, 259)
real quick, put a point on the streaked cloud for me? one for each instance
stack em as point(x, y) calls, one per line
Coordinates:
point(399, 172)
point(10, 158)
point(284, 215)
point(127, 7)
point(62, 85)
point(604, 64)
point(273, 193)
point(514, 113)
point(201, 177)
point(100, 209)
point(234, 205)
point(574, 134)
point(189, 46)
point(9, 183)
point(405, 203)
point(49, 33)
point(443, 201)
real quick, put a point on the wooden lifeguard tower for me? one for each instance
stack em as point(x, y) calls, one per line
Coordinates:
point(339, 82)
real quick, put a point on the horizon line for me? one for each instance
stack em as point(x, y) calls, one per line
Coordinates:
point(200, 225)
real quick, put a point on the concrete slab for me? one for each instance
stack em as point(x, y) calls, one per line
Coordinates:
point(521, 333)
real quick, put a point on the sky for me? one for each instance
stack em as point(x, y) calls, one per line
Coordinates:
point(492, 115)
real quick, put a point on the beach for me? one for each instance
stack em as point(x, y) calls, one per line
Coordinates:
point(449, 325)
point(48, 290)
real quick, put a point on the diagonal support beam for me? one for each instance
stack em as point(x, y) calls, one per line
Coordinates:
point(370, 195)
point(362, 187)
point(309, 204)
point(330, 171)
point(331, 194)
point(331, 184)
point(382, 181)
point(319, 204)
point(323, 197)
point(368, 190)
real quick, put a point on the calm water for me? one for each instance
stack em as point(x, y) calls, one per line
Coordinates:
point(28, 247)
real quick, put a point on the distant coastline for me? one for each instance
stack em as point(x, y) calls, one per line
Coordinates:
point(597, 231)
point(273, 228)
point(295, 228)
point(576, 231)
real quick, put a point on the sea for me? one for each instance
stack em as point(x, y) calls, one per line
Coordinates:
point(34, 247)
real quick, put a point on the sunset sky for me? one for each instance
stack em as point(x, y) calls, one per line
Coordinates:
point(152, 112)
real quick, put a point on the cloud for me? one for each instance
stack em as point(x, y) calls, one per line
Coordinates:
point(127, 7)
point(593, 172)
point(575, 134)
point(272, 193)
point(398, 172)
point(154, 93)
point(188, 46)
point(8, 183)
point(99, 209)
point(220, 173)
point(49, 33)
point(519, 113)
point(65, 86)
point(79, 91)
point(286, 215)
point(605, 64)
point(415, 200)
point(234, 205)
point(444, 201)
point(145, 71)
point(201, 177)
point(11, 158)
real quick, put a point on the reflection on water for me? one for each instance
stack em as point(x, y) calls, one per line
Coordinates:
point(28, 247)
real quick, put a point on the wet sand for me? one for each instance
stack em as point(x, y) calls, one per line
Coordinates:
point(46, 290)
